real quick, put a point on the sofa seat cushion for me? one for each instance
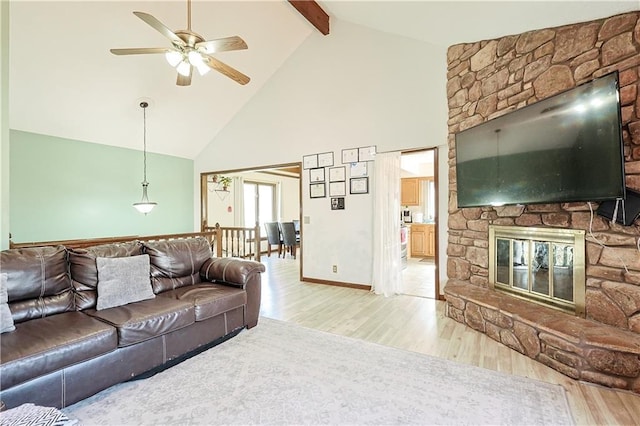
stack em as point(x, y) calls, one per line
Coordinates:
point(140, 321)
point(208, 299)
point(48, 344)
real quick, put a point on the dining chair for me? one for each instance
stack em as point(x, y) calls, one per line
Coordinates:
point(273, 237)
point(289, 241)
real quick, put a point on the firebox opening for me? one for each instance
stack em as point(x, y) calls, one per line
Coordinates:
point(542, 265)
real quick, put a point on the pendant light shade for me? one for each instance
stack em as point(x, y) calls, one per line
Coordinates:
point(144, 206)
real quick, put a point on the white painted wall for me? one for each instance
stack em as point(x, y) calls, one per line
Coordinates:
point(354, 87)
point(289, 199)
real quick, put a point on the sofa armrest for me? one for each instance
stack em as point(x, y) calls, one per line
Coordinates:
point(239, 273)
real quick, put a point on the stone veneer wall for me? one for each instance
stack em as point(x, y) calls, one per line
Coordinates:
point(489, 78)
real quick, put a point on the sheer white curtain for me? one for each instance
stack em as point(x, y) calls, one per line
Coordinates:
point(238, 201)
point(387, 265)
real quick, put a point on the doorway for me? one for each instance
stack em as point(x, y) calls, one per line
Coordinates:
point(419, 217)
point(246, 197)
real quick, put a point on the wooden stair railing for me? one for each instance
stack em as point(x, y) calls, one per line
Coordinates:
point(224, 241)
point(82, 243)
point(236, 241)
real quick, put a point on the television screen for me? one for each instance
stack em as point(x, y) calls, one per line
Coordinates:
point(564, 148)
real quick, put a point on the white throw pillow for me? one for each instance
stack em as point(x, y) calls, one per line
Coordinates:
point(6, 320)
point(123, 280)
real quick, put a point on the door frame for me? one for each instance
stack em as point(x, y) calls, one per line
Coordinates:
point(437, 295)
point(204, 193)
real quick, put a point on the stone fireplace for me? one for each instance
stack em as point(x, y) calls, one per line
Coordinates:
point(489, 78)
point(542, 265)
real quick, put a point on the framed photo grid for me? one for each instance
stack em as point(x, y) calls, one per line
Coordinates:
point(337, 189)
point(358, 169)
point(317, 190)
point(316, 175)
point(310, 161)
point(349, 155)
point(325, 159)
point(359, 185)
point(337, 174)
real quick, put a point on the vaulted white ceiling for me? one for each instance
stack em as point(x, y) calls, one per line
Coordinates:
point(64, 82)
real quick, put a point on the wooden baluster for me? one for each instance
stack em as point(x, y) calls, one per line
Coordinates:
point(257, 243)
point(218, 241)
point(245, 241)
point(234, 243)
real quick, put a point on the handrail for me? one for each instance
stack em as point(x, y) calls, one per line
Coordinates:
point(88, 242)
point(228, 241)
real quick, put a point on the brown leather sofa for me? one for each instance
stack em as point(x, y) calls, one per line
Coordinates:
point(63, 349)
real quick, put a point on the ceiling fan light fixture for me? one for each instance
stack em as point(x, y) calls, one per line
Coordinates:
point(203, 69)
point(173, 57)
point(196, 59)
point(184, 68)
point(190, 50)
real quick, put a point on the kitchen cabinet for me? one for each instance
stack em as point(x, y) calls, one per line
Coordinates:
point(423, 240)
point(410, 192)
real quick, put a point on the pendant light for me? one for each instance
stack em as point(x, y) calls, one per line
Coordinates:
point(144, 206)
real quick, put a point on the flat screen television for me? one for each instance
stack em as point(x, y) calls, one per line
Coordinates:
point(565, 148)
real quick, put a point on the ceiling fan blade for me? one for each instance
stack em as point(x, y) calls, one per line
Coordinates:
point(140, 50)
point(185, 80)
point(222, 44)
point(160, 27)
point(225, 69)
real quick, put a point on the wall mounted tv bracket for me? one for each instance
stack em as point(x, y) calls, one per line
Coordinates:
point(624, 211)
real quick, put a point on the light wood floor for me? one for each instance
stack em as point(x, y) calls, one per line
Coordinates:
point(419, 278)
point(419, 324)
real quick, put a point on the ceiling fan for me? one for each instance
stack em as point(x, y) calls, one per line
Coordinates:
point(190, 50)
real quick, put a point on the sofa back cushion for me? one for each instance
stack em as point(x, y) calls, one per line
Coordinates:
point(176, 263)
point(84, 270)
point(6, 319)
point(38, 283)
point(123, 280)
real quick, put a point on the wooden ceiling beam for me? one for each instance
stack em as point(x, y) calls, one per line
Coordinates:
point(313, 13)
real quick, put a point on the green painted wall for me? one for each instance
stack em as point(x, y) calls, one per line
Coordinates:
point(65, 189)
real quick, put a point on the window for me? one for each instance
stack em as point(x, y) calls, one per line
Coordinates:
point(259, 203)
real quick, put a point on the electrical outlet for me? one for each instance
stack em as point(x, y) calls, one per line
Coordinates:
point(335, 269)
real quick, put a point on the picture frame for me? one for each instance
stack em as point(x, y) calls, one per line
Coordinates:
point(337, 174)
point(310, 161)
point(316, 175)
point(367, 153)
point(349, 155)
point(358, 169)
point(317, 190)
point(337, 189)
point(325, 159)
point(359, 185)
point(337, 203)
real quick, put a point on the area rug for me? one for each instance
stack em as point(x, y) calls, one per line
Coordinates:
point(285, 374)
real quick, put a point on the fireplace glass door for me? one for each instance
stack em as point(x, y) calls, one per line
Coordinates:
point(538, 269)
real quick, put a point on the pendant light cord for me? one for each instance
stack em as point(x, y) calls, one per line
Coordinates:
point(144, 106)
